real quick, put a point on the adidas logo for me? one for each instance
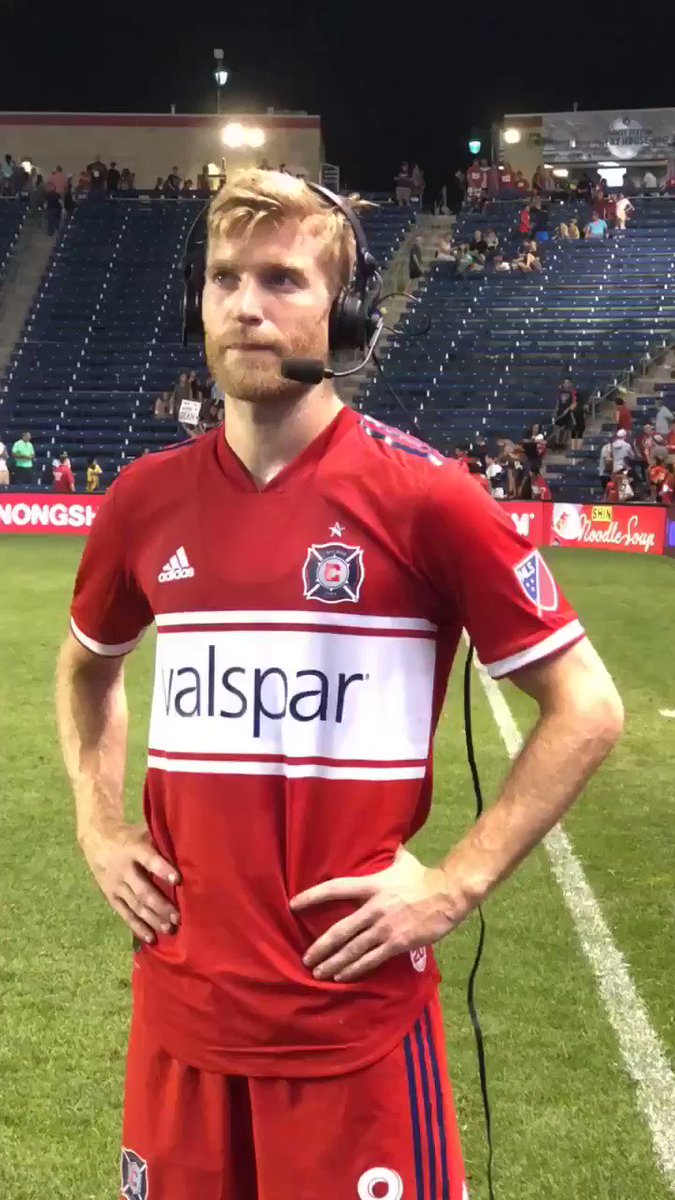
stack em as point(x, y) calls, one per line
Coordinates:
point(177, 567)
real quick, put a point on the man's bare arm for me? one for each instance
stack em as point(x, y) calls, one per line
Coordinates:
point(91, 711)
point(580, 720)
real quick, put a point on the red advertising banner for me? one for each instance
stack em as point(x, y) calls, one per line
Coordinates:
point(531, 519)
point(27, 512)
point(628, 528)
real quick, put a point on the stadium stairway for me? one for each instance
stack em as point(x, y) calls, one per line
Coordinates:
point(102, 339)
point(501, 343)
point(25, 268)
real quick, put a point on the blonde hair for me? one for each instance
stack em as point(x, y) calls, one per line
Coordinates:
point(254, 198)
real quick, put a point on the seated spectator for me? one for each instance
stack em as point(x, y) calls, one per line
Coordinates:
point(463, 259)
point(477, 264)
point(528, 260)
point(500, 263)
point(64, 480)
point(446, 250)
point(182, 391)
point(624, 416)
point(477, 242)
point(491, 242)
point(574, 232)
point(94, 473)
point(157, 192)
point(597, 227)
point(562, 232)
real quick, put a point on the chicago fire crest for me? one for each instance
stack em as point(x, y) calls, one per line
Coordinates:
point(333, 572)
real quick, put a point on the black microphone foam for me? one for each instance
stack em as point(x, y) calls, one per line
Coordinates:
point(304, 370)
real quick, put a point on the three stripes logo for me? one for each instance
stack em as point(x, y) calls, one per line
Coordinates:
point(177, 567)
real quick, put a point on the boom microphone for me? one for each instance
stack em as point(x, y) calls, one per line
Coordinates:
point(305, 370)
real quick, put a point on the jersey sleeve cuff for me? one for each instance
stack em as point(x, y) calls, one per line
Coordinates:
point(108, 650)
point(561, 638)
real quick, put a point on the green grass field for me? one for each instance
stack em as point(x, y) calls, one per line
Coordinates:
point(566, 1121)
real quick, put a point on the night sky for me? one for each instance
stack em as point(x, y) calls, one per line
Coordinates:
point(386, 88)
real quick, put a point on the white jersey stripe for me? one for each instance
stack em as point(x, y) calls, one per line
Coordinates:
point(209, 766)
point(182, 557)
point(281, 617)
point(100, 647)
point(174, 564)
point(548, 645)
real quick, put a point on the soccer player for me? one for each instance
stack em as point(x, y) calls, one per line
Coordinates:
point(309, 572)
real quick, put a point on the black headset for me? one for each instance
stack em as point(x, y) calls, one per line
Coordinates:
point(352, 318)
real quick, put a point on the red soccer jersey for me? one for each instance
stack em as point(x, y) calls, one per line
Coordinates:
point(474, 177)
point(305, 633)
point(64, 480)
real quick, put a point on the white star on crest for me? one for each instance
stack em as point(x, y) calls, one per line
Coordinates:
point(336, 530)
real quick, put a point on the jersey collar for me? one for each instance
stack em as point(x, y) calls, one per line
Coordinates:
point(298, 469)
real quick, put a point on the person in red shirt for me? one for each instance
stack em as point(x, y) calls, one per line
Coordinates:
point(540, 488)
point(667, 489)
point(624, 416)
point(64, 480)
point(658, 475)
point(525, 221)
point(521, 185)
point(474, 184)
point(285, 989)
point(670, 440)
point(612, 490)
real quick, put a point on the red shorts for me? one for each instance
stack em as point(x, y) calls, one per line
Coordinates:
point(385, 1132)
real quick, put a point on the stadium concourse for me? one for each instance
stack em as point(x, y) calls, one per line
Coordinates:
point(102, 339)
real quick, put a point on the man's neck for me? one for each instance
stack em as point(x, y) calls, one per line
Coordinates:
point(267, 436)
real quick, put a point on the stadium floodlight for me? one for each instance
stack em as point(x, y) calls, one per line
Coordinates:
point(475, 146)
point(256, 137)
point(511, 136)
point(27, 165)
point(220, 74)
point(561, 173)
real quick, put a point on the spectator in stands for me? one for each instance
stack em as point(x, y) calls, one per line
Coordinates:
point(186, 190)
point(163, 408)
point(658, 475)
point(463, 259)
point(4, 465)
point(203, 185)
point(491, 243)
point(624, 416)
point(8, 175)
point(664, 419)
point(519, 472)
point(113, 179)
point(94, 473)
point(83, 185)
point(23, 453)
point(649, 181)
point(415, 267)
point(605, 465)
point(597, 227)
point(477, 243)
point(539, 217)
point(659, 449)
point(54, 210)
point(157, 192)
point(402, 184)
point(667, 489)
point(619, 488)
point(538, 486)
point(98, 175)
point(623, 209)
point(563, 417)
point(562, 232)
point(574, 231)
point(127, 181)
point(579, 410)
point(622, 452)
point(525, 221)
point(57, 182)
point(496, 474)
point(584, 186)
point(501, 264)
point(172, 184)
point(521, 185)
point(474, 185)
point(182, 391)
point(508, 182)
point(528, 259)
point(534, 445)
point(63, 478)
point(418, 184)
point(493, 182)
point(446, 250)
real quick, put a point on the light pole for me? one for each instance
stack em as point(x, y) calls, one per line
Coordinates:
point(219, 74)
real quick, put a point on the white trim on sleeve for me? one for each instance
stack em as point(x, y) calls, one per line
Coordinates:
point(548, 645)
point(100, 648)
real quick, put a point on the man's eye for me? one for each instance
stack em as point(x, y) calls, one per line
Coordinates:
point(280, 279)
point(223, 278)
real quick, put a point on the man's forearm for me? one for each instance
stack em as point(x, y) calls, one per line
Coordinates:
point(92, 719)
point(561, 754)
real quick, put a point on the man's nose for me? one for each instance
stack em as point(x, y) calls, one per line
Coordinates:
point(248, 303)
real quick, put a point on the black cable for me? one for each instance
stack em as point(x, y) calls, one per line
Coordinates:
point(409, 415)
point(470, 995)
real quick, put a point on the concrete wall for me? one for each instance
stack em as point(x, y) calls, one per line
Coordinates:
point(151, 144)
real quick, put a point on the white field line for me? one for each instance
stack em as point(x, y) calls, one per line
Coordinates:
point(667, 712)
point(643, 1053)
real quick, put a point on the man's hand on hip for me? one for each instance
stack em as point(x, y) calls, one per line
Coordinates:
point(406, 907)
point(122, 860)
